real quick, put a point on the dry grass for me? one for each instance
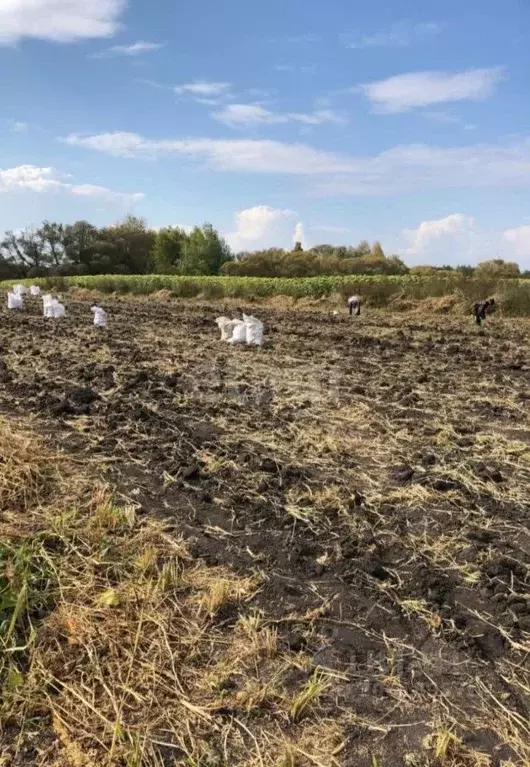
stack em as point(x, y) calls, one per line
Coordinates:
point(112, 635)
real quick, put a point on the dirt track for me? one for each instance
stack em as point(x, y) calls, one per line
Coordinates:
point(375, 473)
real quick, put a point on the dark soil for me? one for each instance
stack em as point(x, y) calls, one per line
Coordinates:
point(375, 471)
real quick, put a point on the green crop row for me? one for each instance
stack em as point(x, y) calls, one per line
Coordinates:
point(376, 290)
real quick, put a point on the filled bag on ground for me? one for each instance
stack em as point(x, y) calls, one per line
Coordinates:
point(253, 330)
point(100, 317)
point(47, 305)
point(239, 333)
point(226, 327)
point(14, 301)
point(34, 290)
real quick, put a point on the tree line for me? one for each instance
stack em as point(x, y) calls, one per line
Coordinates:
point(131, 247)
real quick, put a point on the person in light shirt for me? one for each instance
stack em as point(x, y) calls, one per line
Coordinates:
point(354, 305)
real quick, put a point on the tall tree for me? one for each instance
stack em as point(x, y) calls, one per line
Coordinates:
point(377, 251)
point(126, 246)
point(79, 241)
point(52, 237)
point(168, 250)
point(204, 252)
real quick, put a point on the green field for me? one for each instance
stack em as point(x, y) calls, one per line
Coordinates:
point(379, 291)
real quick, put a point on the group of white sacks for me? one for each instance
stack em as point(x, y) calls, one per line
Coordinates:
point(52, 308)
point(248, 331)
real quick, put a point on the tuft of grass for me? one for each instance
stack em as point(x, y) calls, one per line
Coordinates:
point(309, 695)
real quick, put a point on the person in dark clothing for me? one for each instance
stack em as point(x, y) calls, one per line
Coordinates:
point(481, 309)
point(354, 305)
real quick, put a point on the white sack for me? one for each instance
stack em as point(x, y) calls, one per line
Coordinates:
point(14, 301)
point(239, 333)
point(47, 305)
point(34, 290)
point(226, 326)
point(253, 330)
point(100, 317)
point(58, 309)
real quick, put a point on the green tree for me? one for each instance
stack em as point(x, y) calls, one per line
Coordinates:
point(168, 250)
point(497, 269)
point(298, 247)
point(377, 251)
point(79, 241)
point(205, 252)
point(125, 247)
point(52, 237)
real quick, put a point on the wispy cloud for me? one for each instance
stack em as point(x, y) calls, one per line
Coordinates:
point(203, 88)
point(138, 48)
point(254, 114)
point(409, 167)
point(399, 35)
point(18, 127)
point(402, 93)
point(35, 179)
point(60, 21)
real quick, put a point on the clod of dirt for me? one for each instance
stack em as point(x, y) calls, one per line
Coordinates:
point(269, 466)
point(446, 485)
point(401, 474)
point(487, 640)
point(428, 459)
point(489, 474)
point(82, 396)
point(296, 641)
point(5, 375)
point(193, 471)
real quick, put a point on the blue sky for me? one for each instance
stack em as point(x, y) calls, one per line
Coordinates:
point(407, 122)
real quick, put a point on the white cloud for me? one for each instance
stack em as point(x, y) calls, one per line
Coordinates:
point(203, 88)
point(103, 193)
point(244, 155)
point(460, 239)
point(402, 93)
point(35, 179)
point(18, 127)
point(254, 114)
point(299, 235)
point(519, 239)
point(60, 21)
point(410, 167)
point(134, 49)
point(257, 227)
point(431, 231)
point(399, 35)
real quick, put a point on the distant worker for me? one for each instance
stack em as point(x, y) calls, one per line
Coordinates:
point(481, 309)
point(354, 305)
